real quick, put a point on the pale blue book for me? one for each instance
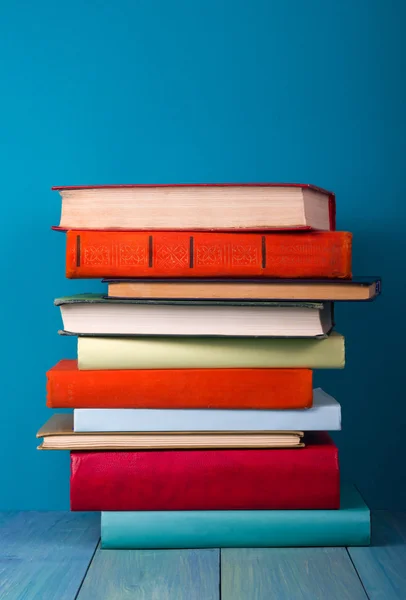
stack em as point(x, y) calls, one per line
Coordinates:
point(348, 526)
point(324, 415)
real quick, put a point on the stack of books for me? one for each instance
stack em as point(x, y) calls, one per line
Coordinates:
point(195, 421)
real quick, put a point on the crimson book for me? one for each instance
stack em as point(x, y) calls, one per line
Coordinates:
point(130, 254)
point(306, 478)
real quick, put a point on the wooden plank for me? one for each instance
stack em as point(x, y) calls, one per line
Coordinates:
point(382, 566)
point(44, 556)
point(286, 573)
point(152, 575)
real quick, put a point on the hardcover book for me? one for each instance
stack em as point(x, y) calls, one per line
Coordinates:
point(98, 353)
point(348, 526)
point(93, 314)
point(321, 255)
point(58, 434)
point(356, 289)
point(324, 415)
point(203, 206)
point(68, 387)
point(259, 479)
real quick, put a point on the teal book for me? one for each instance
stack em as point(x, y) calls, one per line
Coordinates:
point(348, 526)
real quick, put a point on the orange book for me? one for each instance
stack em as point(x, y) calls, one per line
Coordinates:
point(121, 254)
point(67, 387)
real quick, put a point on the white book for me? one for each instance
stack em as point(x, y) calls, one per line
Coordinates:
point(197, 207)
point(93, 314)
point(325, 415)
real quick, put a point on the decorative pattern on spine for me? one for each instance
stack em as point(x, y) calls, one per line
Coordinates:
point(184, 254)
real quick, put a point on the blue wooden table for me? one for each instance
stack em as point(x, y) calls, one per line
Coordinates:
point(56, 556)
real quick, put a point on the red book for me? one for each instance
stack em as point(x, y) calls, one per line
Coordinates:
point(306, 478)
point(121, 254)
point(67, 387)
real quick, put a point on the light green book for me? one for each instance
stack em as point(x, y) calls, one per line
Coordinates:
point(96, 353)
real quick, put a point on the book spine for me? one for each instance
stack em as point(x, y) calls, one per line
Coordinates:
point(180, 388)
point(95, 254)
point(206, 479)
point(332, 211)
point(234, 529)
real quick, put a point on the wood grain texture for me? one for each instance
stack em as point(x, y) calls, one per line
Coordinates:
point(382, 566)
point(152, 575)
point(287, 573)
point(44, 556)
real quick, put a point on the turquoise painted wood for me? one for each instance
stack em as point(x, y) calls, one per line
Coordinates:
point(44, 556)
point(48, 556)
point(287, 573)
point(152, 575)
point(382, 566)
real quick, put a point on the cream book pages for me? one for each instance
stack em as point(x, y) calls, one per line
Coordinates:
point(195, 207)
point(93, 314)
point(58, 434)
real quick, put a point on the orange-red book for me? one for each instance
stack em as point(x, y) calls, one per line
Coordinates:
point(120, 254)
point(67, 387)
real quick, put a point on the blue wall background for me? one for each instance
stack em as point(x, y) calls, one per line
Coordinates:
point(210, 90)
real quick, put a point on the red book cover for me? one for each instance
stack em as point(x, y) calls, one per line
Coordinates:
point(67, 387)
point(306, 478)
point(126, 254)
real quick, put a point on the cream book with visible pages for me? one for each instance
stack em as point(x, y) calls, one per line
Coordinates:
point(58, 434)
point(93, 314)
point(197, 207)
